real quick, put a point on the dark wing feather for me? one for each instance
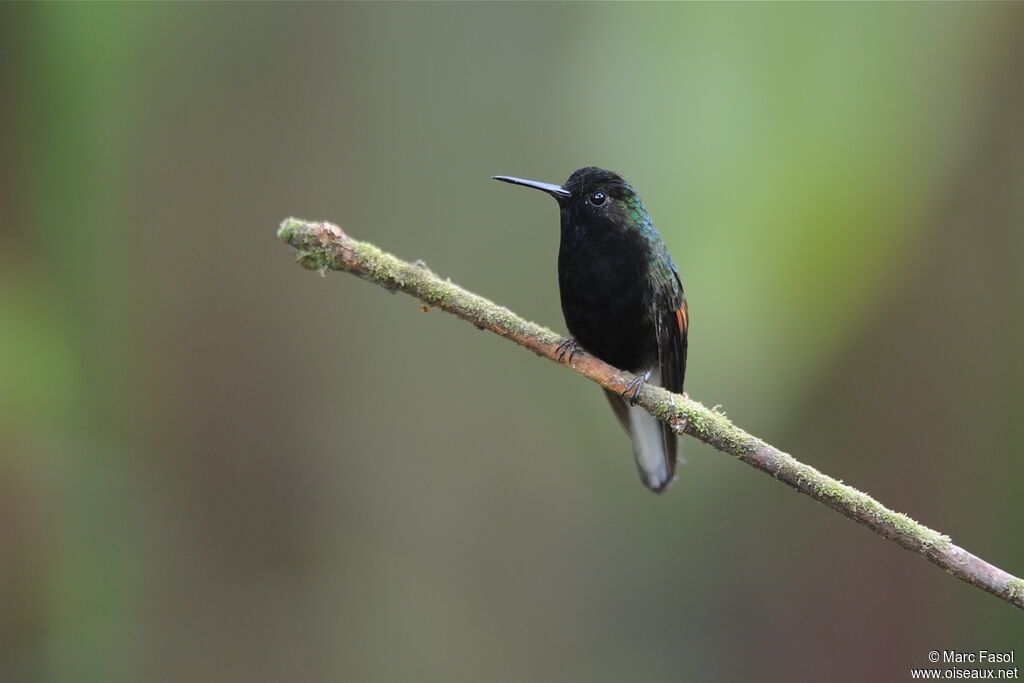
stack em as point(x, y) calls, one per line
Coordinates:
point(673, 325)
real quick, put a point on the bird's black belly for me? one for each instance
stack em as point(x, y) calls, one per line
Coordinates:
point(607, 299)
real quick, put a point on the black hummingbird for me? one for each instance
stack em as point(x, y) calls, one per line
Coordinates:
point(623, 302)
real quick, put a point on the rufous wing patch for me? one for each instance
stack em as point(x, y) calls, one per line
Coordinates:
point(682, 318)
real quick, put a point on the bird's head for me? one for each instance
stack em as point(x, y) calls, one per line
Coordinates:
point(592, 194)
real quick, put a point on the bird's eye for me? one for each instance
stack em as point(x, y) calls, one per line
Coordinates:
point(598, 198)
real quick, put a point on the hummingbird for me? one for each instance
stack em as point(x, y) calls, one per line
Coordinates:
point(622, 301)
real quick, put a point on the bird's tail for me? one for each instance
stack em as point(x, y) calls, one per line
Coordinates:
point(654, 443)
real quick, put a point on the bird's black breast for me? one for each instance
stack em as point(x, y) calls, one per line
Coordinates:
point(606, 292)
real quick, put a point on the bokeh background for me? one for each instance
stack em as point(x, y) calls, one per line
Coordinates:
point(216, 466)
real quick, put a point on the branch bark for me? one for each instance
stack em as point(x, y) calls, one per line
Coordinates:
point(323, 247)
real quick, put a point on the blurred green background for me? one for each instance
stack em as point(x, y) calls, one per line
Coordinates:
point(216, 466)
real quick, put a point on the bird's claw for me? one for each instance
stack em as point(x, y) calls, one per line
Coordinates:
point(569, 346)
point(632, 392)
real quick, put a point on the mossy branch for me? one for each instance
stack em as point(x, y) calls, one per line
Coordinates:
point(323, 247)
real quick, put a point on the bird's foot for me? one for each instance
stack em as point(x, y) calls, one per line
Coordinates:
point(679, 422)
point(632, 392)
point(569, 346)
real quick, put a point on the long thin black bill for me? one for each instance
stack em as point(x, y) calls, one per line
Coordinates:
point(553, 190)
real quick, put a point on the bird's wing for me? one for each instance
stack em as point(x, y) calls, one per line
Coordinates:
point(673, 325)
point(672, 331)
